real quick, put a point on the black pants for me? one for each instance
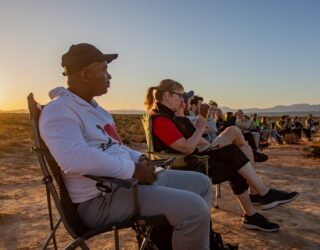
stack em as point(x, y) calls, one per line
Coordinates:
point(248, 136)
point(307, 132)
point(297, 131)
point(224, 164)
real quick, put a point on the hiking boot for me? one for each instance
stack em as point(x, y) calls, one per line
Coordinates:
point(255, 198)
point(259, 157)
point(276, 197)
point(259, 222)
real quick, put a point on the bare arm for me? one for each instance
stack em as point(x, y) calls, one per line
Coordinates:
point(187, 146)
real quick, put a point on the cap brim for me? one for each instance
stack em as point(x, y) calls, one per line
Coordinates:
point(110, 57)
point(187, 95)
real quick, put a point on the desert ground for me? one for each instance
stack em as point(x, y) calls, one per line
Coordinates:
point(23, 209)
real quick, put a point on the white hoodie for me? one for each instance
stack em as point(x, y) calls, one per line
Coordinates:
point(82, 138)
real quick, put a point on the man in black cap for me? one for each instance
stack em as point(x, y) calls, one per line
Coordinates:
point(83, 139)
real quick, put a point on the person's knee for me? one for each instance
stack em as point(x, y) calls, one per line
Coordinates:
point(200, 211)
point(238, 184)
point(233, 132)
point(206, 181)
point(193, 210)
point(236, 130)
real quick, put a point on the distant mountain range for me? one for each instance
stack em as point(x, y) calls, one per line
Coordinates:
point(294, 109)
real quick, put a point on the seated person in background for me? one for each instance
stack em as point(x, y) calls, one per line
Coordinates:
point(213, 107)
point(83, 139)
point(310, 126)
point(218, 116)
point(255, 123)
point(229, 120)
point(282, 126)
point(229, 160)
point(296, 126)
point(266, 130)
point(210, 132)
point(246, 125)
point(194, 109)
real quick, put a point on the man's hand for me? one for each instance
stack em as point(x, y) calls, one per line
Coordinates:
point(201, 122)
point(144, 158)
point(145, 171)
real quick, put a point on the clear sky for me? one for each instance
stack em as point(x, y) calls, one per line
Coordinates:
point(243, 54)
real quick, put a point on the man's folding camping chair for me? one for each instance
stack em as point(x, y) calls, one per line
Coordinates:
point(179, 163)
point(53, 181)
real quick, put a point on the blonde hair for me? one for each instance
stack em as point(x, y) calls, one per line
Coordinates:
point(156, 93)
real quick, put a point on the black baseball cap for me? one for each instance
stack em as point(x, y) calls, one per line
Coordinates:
point(81, 55)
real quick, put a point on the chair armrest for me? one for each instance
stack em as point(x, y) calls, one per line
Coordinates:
point(203, 148)
point(165, 163)
point(202, 157)
point(104, 184)
point(127, 183)
point(179, 158)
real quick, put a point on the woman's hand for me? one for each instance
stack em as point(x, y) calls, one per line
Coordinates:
point(201, 122)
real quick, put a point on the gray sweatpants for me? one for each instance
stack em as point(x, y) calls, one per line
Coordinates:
point(184, 197)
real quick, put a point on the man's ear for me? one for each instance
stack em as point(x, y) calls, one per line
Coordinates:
point(84, 75)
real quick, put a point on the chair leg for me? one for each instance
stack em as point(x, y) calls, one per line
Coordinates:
point(78, 242)
point(219, 190)
point(147, 244)
point(217, 196)
point(52, 236)
point(116, 238)
point(52, 227)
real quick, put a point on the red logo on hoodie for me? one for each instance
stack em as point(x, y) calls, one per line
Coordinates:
point(112, 131)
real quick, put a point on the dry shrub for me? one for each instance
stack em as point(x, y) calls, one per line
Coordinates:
point(130, 128)
point(291, 138)
point(15, 133)
point(313, 150)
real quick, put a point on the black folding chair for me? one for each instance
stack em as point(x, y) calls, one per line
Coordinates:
point(53, 181)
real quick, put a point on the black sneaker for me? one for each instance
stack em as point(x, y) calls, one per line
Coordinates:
point(276, 197)
point(259, 222)
point(255, 198)
point(259, 157)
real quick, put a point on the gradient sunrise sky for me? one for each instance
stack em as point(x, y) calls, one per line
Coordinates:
point(243, 54)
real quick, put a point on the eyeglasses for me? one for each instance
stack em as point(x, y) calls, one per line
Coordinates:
point(178, 94)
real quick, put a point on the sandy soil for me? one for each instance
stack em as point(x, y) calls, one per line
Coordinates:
point(23, 211)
